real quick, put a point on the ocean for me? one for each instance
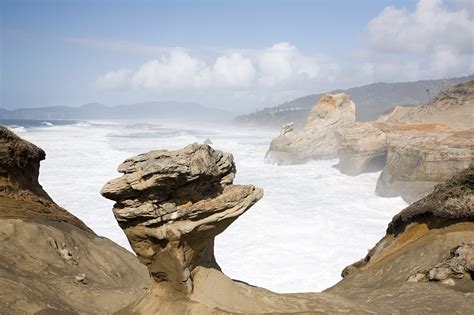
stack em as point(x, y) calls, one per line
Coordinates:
point(310, 224)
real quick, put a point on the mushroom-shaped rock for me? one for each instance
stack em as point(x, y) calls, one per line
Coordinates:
point(171, 205)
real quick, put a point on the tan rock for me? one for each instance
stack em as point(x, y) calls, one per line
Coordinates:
point(421, 156)
point(317, 140)
point(44, 248)
point(453, 107)
point(429, 233)
point(362, 147)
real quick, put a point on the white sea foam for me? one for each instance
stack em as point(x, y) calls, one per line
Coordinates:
point(311, 223)
point(17, 129)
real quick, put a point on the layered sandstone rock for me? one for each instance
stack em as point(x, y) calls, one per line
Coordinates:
point(414, 152)
point(317, 140)
point(362, 147)
point(426, 237)
point(453, 107)
point(50, 261)
point(421, 156)
point(171, 205)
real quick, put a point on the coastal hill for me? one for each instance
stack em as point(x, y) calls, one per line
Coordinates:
point(146, 110)
point(372, 100)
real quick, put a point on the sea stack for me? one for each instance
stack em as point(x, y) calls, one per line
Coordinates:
point(317, 140)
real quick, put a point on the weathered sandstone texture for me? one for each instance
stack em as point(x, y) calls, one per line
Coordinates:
point(362, 147)
point(50, 261)
point(171, 205)
point(317, 140)
point(430, 234)
point(453, 107)
point(416, 147)
point(421, 156)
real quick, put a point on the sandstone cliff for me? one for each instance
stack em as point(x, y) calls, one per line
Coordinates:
point(50, 261)
point(416, 148)
point(425, 262)
point(453, 107)
point(172, 204)
point(317, 140)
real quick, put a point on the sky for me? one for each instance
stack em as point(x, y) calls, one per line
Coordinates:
point(233, 55)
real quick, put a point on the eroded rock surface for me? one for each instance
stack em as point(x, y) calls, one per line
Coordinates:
point(362, 147)
point(44, 248)
point(171, 205)
point(421, 156)
point(417, 147)
point(317, 140)
point(453, 107)
point(422, 237)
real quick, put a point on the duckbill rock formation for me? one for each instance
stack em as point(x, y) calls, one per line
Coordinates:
point(317, 140)
point(171, 205)
point(50, 261)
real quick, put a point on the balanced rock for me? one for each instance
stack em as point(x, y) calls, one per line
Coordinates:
point(317, 140)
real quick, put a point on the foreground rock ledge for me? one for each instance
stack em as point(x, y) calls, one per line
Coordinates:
point(50, 261)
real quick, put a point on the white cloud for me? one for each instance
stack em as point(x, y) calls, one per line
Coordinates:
point(176, 69)
point(432, 26)
point(283, 62)
point(233, 71)
point(114, 79)
point(281, 65)
point(432, 41)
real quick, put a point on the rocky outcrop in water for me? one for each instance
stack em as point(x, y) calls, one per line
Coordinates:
point(50, 261)
point(414, 153)
point(317, 140)
point(421, 156)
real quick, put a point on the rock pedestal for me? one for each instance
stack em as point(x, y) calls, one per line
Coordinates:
point(171, 205)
